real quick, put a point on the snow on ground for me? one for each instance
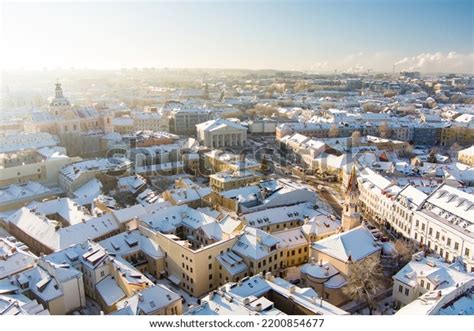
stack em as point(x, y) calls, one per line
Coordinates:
point(384, 307)
point(92, 308)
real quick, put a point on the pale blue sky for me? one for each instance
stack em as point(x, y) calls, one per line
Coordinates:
point(301, 35)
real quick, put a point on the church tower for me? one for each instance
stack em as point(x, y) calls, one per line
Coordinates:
point(351, 214)
point(59, 103)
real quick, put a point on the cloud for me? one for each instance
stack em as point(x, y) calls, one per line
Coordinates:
point(358, 68)
point(359, 62)
point(353, 56)
point(321, 66)
point(438, 62)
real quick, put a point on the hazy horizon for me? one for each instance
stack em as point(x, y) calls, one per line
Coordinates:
point(318, 36)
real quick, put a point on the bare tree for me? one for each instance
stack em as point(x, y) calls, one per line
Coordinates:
point(455, 148)
point(365, 281)
point(264, 166)
point(389, 93)
point(405, 250)
point(384, 130)
point(432, 156)
point(355, 137)
point(327, 105)
point(406, 152)
point(236, 114)
point(333, 131)
point(370, 107)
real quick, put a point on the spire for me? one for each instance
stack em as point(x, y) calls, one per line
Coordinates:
point(352, 185)
point(59, 90)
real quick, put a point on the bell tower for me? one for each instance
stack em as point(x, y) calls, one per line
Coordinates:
point(351, 213)
point(59, 103)
point(58, 91)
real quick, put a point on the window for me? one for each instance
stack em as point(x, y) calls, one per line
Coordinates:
point(428, 285)
point(400, 288)
point(210, 276)
point(422, 283)
point(466, 252)
point(407, 291)
point(210, 266)
point(449, 242)
point(456, 246)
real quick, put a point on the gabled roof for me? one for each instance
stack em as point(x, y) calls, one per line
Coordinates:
point(353, 245)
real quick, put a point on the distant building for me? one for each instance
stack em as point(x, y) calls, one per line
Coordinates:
point(466, 156)
point(63, 119)
point(227, 180)
point(183, 121)
point(31, 157)
point(221, 133)
point(73, 176)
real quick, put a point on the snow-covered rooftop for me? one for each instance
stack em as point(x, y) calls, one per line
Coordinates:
point(354, 245)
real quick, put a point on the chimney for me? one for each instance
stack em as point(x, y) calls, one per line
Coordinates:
point(292, 289)
point(140, 297)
